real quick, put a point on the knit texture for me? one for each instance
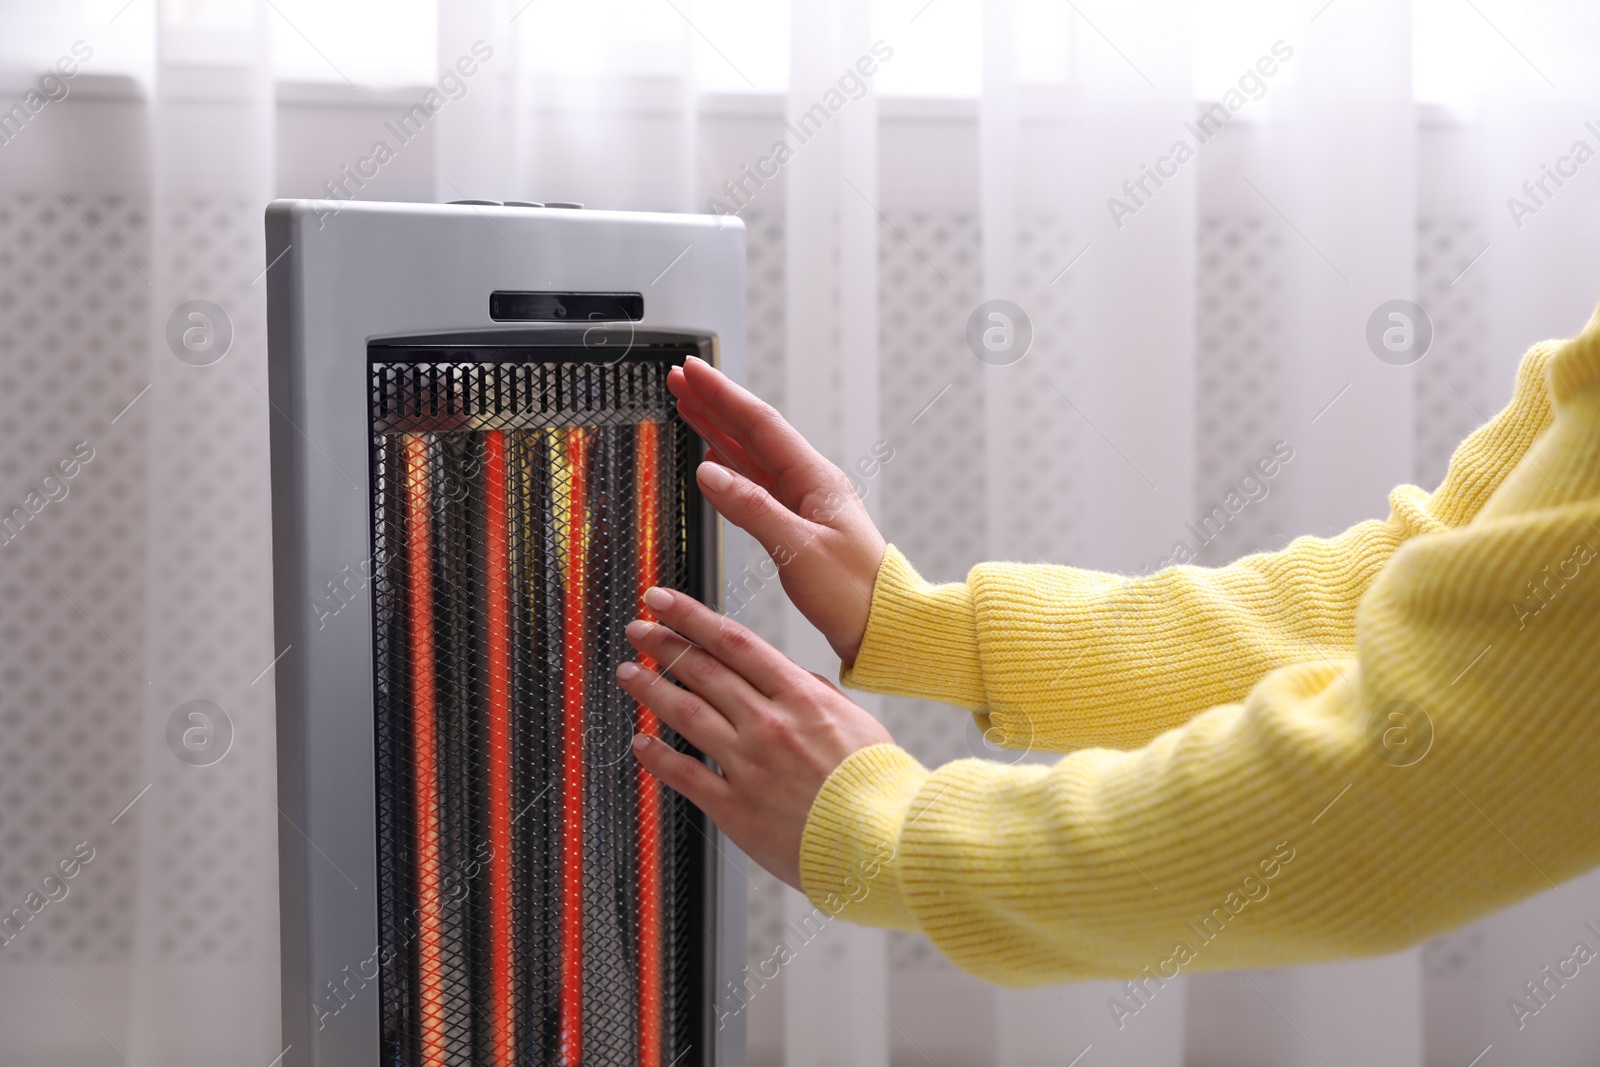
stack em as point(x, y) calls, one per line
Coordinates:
point(1338, 749)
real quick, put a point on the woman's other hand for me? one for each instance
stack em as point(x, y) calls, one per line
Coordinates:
point(767, 479)
point(775, 730)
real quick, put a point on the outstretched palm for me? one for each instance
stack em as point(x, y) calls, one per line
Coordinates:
point(767, 479)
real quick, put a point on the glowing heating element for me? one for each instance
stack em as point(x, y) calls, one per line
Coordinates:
point(645, 493)
point(497, 608)
point(573, 723)
point(541, 898)
point(429, 906)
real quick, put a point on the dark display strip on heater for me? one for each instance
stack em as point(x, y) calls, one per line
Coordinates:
point(508, 306)
point(541, 901)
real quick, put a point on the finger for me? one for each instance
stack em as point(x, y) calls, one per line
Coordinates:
point(767, 438)
point(710, 425)
point(731, 642)
point(726, 446)
point(719, 683)
point(720, 433)
point(711, 420)
point(731, 452)
point(754, 509)
point(677, 384)
point(713, 456)
point(690, 715)
point(682, 389)
point(699, 784)
point(692, 407)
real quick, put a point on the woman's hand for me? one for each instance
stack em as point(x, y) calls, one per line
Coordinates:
point(775, 730)
point(766, 479)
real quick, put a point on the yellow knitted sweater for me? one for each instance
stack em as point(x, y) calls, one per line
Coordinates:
point(1338, 749)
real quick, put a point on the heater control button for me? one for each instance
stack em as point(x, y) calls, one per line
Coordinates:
point(523, 203)
point(477, 203)
point(563, 203)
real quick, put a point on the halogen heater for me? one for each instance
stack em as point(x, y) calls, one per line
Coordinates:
point(477, 470)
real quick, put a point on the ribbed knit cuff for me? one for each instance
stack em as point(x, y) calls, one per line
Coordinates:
point(921, 639)
point(848, 861)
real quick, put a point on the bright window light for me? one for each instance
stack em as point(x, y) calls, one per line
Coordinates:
point(1471, 53)
point(209, 14)
point(1044, 41)
point(367, 42)
point(1446, 66)
point(605, 37)
point(740, 46)
point(729, 46)
point(1229, 36)
point(938, 47)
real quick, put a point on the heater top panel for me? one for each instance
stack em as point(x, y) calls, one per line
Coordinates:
point(420, 268)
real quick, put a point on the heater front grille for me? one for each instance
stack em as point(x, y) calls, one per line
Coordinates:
point(541, 900)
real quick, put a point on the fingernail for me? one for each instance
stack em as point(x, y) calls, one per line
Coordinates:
point(658, 598)
point(627, 671)
point(638, 628)
point(640, 742)
point(715, 477)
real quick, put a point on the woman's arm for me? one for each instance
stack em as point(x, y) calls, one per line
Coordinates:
point(1343, 807)
point(1059, 657)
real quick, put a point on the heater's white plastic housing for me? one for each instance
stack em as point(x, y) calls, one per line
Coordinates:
point(344, 275)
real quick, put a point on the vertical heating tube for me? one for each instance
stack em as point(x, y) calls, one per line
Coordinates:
point(538, 811)
point(502, 1025)
point(419, 552)
point(646, 492)
point(572, 738)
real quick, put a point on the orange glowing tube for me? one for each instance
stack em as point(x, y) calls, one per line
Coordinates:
point(572, 736)
point(646, 492)
point(430, 896)
point(502, 1018)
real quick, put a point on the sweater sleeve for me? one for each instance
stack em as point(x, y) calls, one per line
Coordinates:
point(1054, 658)
point(1344, 806)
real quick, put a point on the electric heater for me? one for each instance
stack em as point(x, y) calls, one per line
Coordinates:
point(477, 470)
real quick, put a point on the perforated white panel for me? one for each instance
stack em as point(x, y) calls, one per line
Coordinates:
point(212, 590)
point(1041, 453)
point(764, 304)
point(764, 341)
point(1239, 383)
point(72, 356)
point(1453, 386)
point(933, 489)
point(764, 325)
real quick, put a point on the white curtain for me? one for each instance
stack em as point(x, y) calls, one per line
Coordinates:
point(1190, 309)
point(138, 153)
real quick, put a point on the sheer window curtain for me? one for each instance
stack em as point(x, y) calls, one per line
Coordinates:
point(138, 650)
point(1186, 315)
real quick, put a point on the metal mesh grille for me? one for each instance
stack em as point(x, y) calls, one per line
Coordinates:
point(541, 901)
